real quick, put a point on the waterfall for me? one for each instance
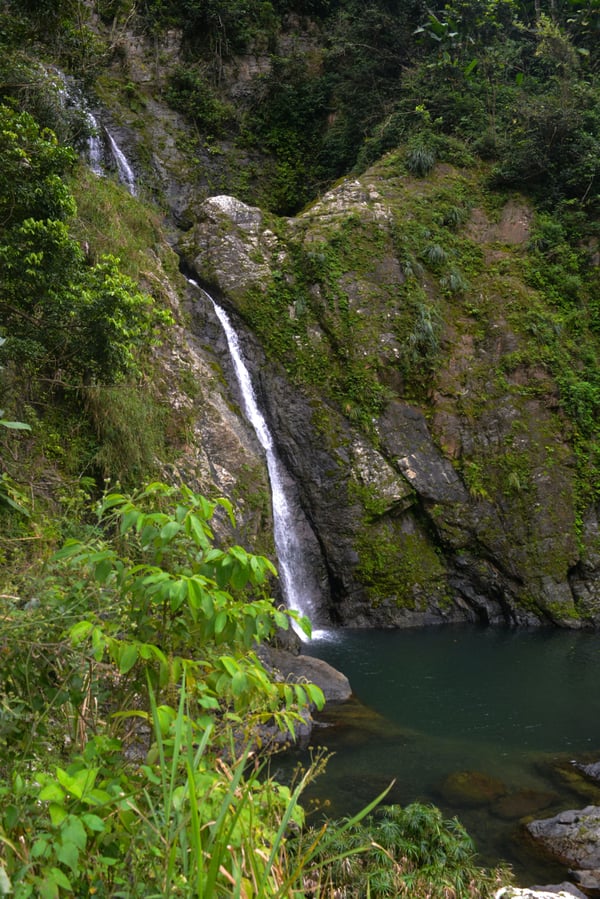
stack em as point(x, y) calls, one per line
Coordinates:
point(71, 95)
point(95, 150)
point(299, 582)
point(124, 170)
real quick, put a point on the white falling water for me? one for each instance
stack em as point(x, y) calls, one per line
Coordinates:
point(124, 170)
point(71, 95)
point(94, 146)
point(297, 580)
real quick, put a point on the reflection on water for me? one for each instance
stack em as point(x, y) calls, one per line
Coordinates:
point(431, 704)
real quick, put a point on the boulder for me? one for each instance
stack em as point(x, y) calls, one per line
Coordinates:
point(471, 788)
point(558, 891)
point(299, 668)
point(573, 838)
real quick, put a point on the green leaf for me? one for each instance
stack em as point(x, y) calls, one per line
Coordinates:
point(15, 425)
point(39, 848)
point(170, 530)
point(58, 813)
point(129, 519)
point(196, 531)
point(239, 576)
point(74, 832)
point(104, 569)
point(239, 683)
point(93, 822)
point(52, 792)
point(79, 783)
point(68, 854)
point(220, 621)
point(128, 657)
point(230, 665)
point(80, 631)
point(61, 879)
point(223, 571)
point(70, 549)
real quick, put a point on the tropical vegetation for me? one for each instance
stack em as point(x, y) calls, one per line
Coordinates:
point(136, 717)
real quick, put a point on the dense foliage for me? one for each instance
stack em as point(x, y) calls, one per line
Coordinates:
point(131, 708)
point(129, 681)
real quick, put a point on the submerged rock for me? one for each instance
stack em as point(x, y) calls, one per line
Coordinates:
point(522, 803)
point(471, 788)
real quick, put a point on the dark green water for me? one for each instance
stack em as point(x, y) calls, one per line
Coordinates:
point(432, 702)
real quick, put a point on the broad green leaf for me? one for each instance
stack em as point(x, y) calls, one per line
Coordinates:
point(74, 832)
point(68, 854)
point(58, 813)
point(52, 792)
point(223, 571)
point(112, 500)
point(128, 657)
point(70, 549)
point(239, 576)
point(220, 621)
point(93, 822)
point(104, 569)
point(281, 619)
point(230, 665)
point(129, 520)
point(196, 531)
point(79, 783)
point(80, 631)
point(61, 879)
point(170, 530)
point(239, 683)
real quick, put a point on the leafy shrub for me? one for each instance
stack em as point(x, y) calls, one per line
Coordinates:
point(191, 94)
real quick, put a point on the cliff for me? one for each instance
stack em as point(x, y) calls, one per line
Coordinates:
point(422, 373)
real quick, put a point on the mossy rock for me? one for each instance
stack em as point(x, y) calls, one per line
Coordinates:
point(567, 773)
point(472, 788)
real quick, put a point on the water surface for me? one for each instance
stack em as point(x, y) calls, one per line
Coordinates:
point(508, 704)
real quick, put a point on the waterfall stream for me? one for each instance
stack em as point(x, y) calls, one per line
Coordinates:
point(299, 582)
point(124, 170)
point(102, 148)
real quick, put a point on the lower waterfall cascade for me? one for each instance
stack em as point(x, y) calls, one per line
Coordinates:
point(299, 582)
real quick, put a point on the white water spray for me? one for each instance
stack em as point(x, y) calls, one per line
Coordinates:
point(298, 580)
point(124, 170)
point(94, 146)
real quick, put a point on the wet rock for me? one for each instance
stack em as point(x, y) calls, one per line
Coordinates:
point(471, 788)
point(592, 770)
point(572, 774)
point(298, 668)
point(560, 888)
point(560, 891)
point(573, 838)
point(522, 803)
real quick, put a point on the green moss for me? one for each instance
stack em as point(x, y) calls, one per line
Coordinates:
point(400, 565)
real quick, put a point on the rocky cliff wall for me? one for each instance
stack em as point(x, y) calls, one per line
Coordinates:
point(433, 459)
point(407, 366)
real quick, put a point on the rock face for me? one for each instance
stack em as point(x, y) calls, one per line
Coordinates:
point(402, 362)
point(431, 456)
point(573, 838)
